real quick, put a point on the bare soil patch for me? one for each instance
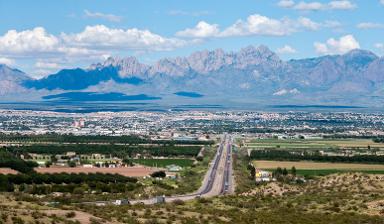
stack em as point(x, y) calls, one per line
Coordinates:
point(137, 171)
point(6, 171)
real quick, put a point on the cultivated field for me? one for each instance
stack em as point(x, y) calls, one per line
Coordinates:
point(137, 171)
point(306, 165)
point(6, 171)
point(315, 144)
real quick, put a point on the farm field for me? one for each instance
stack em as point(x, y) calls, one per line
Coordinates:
point(306, 165)
point(164, 162)
point(315, 144)
point(6, 171)
point(124, 171)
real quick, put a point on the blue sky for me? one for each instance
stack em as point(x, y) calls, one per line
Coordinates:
point(41, 36)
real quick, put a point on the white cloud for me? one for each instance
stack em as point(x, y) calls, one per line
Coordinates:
point(109, 17)
point(47, 65)
point(286, 49)
point(254, 25)
point(27, 42)
point(332, 24)
point(380, 46)
point(283, 92)
point(309, 6)
point(287, 3)
point(382, 2)
point(201, 30)
point(316, 6)
point(334, 46)
point(260, 25)
point(342, 5)
point(102, 37)
point(7, 61)
point(370, 25)
point(92, 41)
point(308, 24)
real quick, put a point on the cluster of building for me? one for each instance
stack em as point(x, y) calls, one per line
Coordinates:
point(191, 124)
point(73, 159)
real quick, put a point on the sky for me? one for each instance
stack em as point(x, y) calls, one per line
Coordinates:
point(41, 37)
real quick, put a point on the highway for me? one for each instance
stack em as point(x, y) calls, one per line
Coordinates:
point(217, 181)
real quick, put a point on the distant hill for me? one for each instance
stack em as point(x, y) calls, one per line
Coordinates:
point(251, 74)
point(11, 80)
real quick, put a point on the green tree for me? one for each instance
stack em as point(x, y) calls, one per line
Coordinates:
point(160, 174)
point(285, 172)
point(72, 164)
point(293, 170)
point(48, 164)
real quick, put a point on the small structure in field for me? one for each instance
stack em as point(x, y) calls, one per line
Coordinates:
point(174, 168)
point(263, 176)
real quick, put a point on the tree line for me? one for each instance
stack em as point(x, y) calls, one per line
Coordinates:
point(67, 138)
point(67, 182)
point(297, 156)
point(9, 160)
point(120, 151)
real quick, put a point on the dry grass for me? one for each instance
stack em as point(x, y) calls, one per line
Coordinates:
point(306, 165)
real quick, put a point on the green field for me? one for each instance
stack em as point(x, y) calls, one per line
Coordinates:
point(164, 162)
point(332, 171)
point(319, 144)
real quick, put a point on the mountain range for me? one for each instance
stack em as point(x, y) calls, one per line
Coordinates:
point(251, 75)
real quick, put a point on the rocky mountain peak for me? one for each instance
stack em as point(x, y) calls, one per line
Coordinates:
point(128, 66)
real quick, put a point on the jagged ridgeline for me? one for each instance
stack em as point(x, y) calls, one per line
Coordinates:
point(251, 73)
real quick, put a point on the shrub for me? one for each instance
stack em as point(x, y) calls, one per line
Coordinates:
point(70, 214)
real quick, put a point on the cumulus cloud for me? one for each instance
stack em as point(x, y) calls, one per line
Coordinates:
point(308, 24)
point(342, 5)
point(26, 42)
point(286, 49)
point(254, 25)
point(380, 46)
point(316, 6)
point(309, 6)
point(334, 46)
point(283, 92)
point(370, 25)
point(7, 61)
point(93, 40)
point(201, 30)
point(260, 25)
point(47, 65)
point(286, 3)
point(102, 37)
point(99, 15)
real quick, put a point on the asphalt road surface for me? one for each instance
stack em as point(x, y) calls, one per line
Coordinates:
point(217, 181)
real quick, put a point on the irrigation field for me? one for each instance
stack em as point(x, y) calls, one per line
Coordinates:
point(314, 144)
point(319, 168)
